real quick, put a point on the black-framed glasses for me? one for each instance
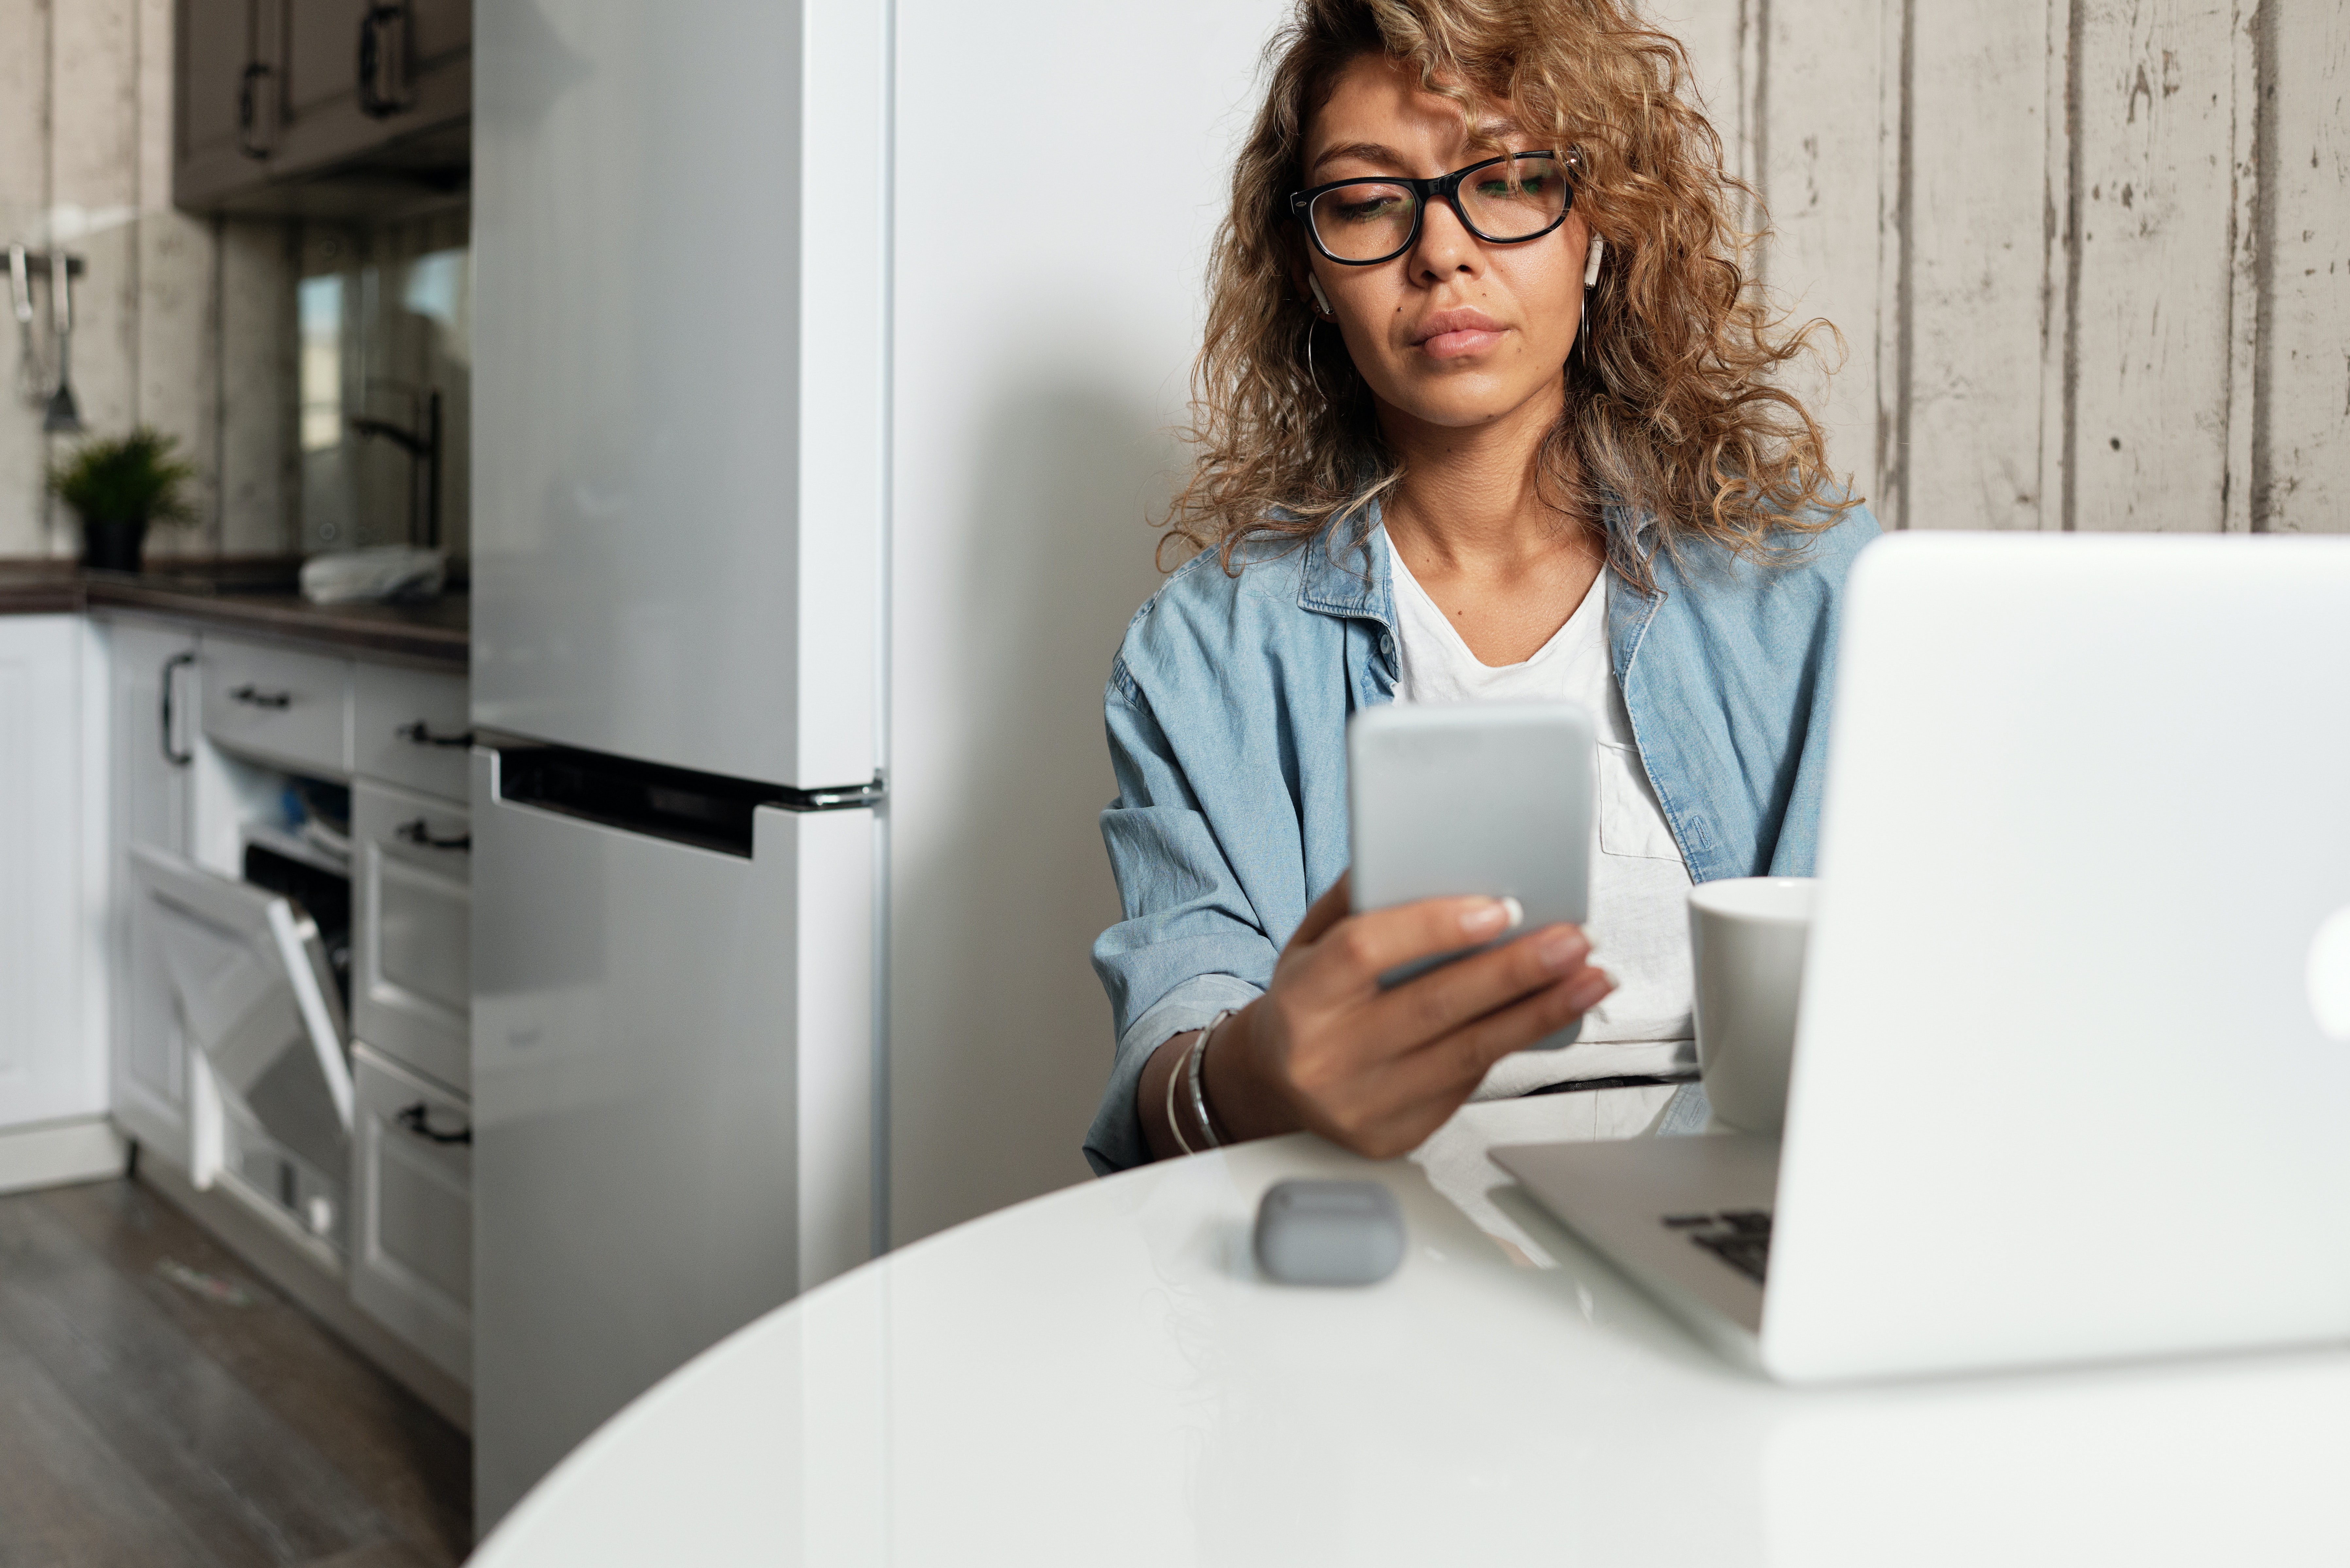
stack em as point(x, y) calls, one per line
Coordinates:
point(1503, 201)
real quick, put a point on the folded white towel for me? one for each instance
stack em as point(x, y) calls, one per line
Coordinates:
point(389, 572)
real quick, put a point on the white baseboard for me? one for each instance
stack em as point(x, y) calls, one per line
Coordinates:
point(59, 1154)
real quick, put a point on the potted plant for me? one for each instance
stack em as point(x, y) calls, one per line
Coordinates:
point(119, 486)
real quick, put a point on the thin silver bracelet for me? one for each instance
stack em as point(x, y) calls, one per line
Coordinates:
point(1173, 1126)
point(1198, 1054)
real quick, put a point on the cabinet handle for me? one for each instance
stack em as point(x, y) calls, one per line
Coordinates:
point(386, 33)
point(172, 755)
point(420, 832)
point(255, 697)
point(256, 119)
point(416, 1118)
point(421, 733)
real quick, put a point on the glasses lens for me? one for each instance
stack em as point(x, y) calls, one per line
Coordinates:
point(1516, 200)
point(1365, 221)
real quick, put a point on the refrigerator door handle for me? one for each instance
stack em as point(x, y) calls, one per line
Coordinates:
point(705, 810)
point(844, 798)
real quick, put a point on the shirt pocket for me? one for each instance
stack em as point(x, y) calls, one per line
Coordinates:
point(1631, 822)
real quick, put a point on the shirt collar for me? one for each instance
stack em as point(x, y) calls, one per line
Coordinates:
point(1346, 569)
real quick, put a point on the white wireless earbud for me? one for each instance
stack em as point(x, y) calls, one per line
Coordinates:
point(1321, 299)
point(1591, 267)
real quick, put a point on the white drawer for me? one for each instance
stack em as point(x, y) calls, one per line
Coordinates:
point(409, 727)
point(293, 708)
point(412, 976)
point(413, 1211)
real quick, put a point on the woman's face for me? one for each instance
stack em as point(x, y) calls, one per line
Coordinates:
point(1455, 332)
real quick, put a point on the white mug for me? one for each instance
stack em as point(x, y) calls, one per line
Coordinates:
point(1747, 936)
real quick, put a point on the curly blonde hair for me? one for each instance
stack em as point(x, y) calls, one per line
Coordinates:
point(1669, 408)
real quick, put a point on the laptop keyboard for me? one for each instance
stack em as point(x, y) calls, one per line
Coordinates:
point(1739, 1237)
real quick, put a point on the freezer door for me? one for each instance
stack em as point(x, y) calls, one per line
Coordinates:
point(673, 1105)
point(679, 414)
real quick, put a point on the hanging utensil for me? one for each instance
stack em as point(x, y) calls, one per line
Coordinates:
point(32, 379)
point(64, 417)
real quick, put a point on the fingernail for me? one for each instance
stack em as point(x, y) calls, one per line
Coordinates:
point(1563, 950)
point(1515, 910)
point(1498, 915)
point(1587, 992)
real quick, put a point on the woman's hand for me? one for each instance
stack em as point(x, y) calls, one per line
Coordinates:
point(1377, 1071)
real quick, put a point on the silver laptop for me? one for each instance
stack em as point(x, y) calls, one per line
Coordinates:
point(2073, 1074)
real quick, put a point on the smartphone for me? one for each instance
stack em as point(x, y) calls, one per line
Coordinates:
point(1494, 798)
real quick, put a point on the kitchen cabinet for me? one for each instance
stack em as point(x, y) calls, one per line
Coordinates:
point(261, 1018)
point(225, 108)
point(361, 74)
point(413, 1197)
point(231, 1057)
point(284, 707)
point(50, 938)
point(412, 976)
point(292, 880)
point(152, 723)
point(320, 106)
point(411, 727)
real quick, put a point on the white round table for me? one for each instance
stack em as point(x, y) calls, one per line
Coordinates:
point(1099, 1377)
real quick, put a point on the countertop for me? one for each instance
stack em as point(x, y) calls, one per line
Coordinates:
point(258, 598)
point(1101, 1374)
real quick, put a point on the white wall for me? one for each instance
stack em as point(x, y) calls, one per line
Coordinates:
point(1041, 364)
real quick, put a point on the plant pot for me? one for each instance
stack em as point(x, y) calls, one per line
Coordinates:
point(113, 544)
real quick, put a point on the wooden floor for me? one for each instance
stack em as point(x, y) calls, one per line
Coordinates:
point(161, 1405)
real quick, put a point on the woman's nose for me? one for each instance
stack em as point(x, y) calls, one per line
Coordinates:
point(1445, 246)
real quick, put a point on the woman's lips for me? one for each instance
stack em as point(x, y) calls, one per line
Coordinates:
point(1452, 334)
point(1455, 345)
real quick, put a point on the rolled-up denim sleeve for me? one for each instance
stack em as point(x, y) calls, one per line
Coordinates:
point(1191, 944)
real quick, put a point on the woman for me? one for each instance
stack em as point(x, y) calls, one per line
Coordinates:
point(1483, 413)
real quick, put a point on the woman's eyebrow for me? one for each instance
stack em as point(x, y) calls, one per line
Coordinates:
point(1365, 151)
point(1488, 133)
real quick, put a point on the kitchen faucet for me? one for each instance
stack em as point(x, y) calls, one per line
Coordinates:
point(424, 454)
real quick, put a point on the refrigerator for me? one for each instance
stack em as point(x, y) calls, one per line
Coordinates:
point(824, 376)
point(677, 780)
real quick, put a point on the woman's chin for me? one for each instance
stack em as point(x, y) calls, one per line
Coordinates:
point(1463, 408)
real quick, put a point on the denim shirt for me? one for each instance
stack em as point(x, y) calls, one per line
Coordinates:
point(1227, 710)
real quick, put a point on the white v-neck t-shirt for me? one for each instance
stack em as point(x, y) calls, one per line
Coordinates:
point(1640, 884)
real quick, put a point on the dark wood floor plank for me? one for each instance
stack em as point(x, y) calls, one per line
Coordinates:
point(411, 1465)
point(234, 1475)
point(66, 1496)
point(380, 1555)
